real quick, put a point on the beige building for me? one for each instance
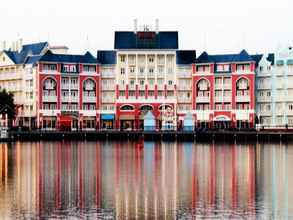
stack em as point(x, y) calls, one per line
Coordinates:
point(18, 74)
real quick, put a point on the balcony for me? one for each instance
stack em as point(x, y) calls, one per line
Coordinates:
point(131, 75)
point(90, 99)
point(161, 75)
point(108, 87)
point(131, 87)
point(108, 99)
point(226, 86)
point(218, 98)
point(244, 98)
point(227, 98)
point(74, 86)
point(202, 99)
point(108, 74)
point(50, 98)
point(65, 86)
point(242, 115)
point(184, 87)
point(184, 74)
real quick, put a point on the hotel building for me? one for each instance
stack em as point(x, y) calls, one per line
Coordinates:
point(68, 92)
point(18, 75)
point(274, 88)
point(142, 74)
point(223, 90)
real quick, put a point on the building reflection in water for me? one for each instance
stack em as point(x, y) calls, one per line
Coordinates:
point(145, 180)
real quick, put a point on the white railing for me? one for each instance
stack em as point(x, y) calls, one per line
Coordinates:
point(92, 99)
point(108, 87)
point(242, 114)
point(244, 98)
point(49, 98)
point(218, 98)
point(108, 74)
point(74, 86)
point(202, 99)
point(227, 98)
point(227, 86)
point(65, 86)
point(108, 99)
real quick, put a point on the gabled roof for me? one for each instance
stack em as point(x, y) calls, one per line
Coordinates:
point(270, 57)
point(68, 58)
point(243, 56)
point(106, 56)
point(26, 51)
point(185, 56)
point(146, 40)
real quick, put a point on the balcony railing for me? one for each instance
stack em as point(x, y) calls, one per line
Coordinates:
point(74, 86)
point(50, 98)
point(202, 99)
point(91, 99)
point(244, 98)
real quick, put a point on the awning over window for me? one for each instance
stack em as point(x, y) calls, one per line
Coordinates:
point(107, 116)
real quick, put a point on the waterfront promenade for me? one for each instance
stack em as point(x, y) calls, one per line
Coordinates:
point(208, 135)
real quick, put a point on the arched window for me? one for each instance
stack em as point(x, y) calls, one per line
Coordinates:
point(89, 85)
point(164, 107)
point(89, 88)
point(146, 108)
point(242, 84)
point(49, 87)
point(126, 108)
point(49, 84)
point(203, 85)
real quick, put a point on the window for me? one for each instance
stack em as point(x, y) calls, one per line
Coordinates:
point(131, 82)
point(151, 93)
point(151, 59)
point(131, 69)
point(122, 71)
point(50, 67)
point(131, 93)
point(141, 70)
point(122, 93)
point(290, 106)
point(126, 108)
point(218, 106)
point(122, 58)
point(89, 68)
point(268, 93)
point(170, 93)
point(161, 69)
point(151, 70)
point(141, 82)
point(151, 81)
point(141, 93)
point(170, 82)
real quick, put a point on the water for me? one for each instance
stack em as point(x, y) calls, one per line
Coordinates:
point(145, 180)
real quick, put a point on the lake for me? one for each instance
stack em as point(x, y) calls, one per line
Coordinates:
point(146, 180)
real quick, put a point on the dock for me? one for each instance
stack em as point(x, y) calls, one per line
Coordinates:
point(209, 135)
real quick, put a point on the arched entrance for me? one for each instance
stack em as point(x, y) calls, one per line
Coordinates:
point(222, 122)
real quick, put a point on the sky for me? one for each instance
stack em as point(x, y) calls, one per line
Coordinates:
point(216, 26)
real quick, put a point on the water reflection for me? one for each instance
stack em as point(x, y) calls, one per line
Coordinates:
point(145, 180)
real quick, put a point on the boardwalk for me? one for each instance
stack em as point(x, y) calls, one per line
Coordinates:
point(152, 135)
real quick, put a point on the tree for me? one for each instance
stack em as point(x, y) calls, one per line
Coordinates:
point(7, 106)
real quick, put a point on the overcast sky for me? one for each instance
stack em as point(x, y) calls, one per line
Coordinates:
point(218, 26)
